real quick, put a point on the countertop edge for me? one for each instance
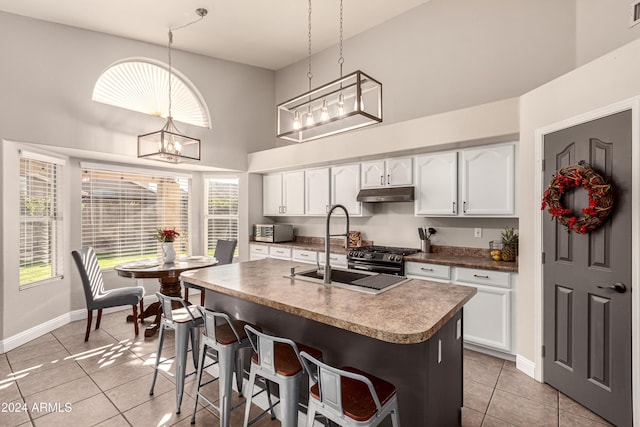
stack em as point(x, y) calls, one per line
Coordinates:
point(341, 323)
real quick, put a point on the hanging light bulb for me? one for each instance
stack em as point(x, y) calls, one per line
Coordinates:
point(355, 104)
point(310, 120)
point(341, 105)
point(296, 120)
point(324, 114)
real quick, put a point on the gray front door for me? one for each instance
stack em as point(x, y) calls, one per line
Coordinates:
point(587, 328)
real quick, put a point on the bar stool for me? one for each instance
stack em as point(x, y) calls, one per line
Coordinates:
point(185, 322)
point(227, 337)
point(348, 396)
point(277, 360)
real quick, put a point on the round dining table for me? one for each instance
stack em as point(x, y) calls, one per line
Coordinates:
point(168, 274)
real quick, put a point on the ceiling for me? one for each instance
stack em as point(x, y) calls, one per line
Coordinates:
point(265, 33)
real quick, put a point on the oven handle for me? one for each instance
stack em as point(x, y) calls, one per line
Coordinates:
point(377, 268)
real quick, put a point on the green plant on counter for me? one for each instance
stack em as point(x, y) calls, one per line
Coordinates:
point(509, 244)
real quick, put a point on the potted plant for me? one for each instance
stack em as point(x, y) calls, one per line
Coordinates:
point(167, 237)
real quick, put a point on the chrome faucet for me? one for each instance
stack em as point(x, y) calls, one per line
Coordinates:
point(327, 237)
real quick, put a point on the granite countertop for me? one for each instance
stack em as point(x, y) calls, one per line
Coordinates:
point(407, 314)
point(468, 261)
point(444, 255)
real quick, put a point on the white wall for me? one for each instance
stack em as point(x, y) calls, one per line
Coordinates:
point(609, 79)
point(449, 54)
point(601, 26)
point(394, 224)
point(48, 76)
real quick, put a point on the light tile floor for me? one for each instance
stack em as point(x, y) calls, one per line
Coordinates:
point(105, 382)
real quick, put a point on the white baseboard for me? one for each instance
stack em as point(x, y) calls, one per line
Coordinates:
point(490, 352)
point(30, 334)
point(526, 366)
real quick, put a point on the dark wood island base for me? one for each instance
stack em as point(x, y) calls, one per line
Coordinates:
point(410, 335)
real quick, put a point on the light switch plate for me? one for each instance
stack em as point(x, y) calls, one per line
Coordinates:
point(477, 232)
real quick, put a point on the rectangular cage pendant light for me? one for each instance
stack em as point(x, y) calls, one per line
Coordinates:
point(168, 145)
point(348, 103)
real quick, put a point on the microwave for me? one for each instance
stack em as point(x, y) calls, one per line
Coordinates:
point(273, 233)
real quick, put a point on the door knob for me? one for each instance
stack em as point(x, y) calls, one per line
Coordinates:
point(618, 287)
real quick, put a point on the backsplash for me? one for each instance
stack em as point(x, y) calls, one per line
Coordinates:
point(394, 224)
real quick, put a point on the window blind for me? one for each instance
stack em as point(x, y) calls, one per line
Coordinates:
point(221, 215)
point(122, 210)
point(40, 218)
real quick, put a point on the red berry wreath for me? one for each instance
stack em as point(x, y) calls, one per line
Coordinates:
point(600, 198)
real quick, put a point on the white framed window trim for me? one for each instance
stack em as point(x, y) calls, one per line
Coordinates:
point(221, 213)
point(122, 208)
point(41, 248)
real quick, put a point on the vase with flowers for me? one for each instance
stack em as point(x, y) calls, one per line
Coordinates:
point(167, 237)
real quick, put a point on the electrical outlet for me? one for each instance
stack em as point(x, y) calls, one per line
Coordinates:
point(477, 232)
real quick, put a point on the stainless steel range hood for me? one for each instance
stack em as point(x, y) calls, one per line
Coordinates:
point(391, 194)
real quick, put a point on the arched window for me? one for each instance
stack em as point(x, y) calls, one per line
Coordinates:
point(142, 85)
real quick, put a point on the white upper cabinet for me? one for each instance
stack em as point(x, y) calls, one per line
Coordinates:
point(387, 173)
point(473, 182)
point(316, 191)
point(437, 184)
point(272, 194)
point(488, 180)
point(283, 194)
point(345, 185)
point(293, 193)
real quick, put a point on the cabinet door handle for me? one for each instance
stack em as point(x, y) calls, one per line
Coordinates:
point(454, 208)
point(464, 207)
point(326, 208)
point(381, 179)
point(480, 277)
point(388, 179)
point(426, 269)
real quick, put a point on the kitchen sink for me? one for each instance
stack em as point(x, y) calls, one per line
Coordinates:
point(372, 283)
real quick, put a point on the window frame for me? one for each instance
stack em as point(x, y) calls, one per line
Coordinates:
point(57, 244)
point(207, 216)
point(149, 175)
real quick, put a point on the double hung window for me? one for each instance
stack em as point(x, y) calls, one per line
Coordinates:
point(40, 218)
point(221, 214)
point(123, 209)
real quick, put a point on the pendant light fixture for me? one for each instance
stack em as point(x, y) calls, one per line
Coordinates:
point(169, 144)
point(350, 102)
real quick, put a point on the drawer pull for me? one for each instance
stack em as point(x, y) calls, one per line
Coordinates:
point(480, 277)
point(304, 254)
point(333, 258)
point(426, 269)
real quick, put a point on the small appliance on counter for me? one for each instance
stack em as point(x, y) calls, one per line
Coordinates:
point(273, 233)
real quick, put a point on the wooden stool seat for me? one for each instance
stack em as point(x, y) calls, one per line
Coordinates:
point(357, 401)
point(225, 335)
point(181, 315)
point(286, 361)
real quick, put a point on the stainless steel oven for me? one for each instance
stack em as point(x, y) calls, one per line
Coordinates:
point(379, 259)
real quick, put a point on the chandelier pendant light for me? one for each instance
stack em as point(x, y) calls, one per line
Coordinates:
point(349, 102)
point(169, 144)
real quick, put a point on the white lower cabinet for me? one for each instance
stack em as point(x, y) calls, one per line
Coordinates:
point(301, 255)
point(421, 270)
point(258, 252)
point(279, 253)
point(336, 260)
point(488, 316)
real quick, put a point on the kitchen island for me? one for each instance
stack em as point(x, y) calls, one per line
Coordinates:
point(409, 335)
